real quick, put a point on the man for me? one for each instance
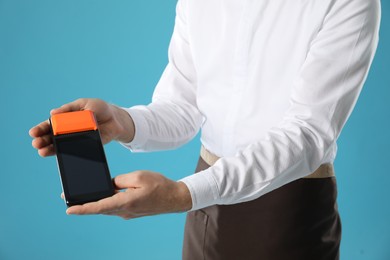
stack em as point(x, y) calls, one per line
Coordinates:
point(271, 84)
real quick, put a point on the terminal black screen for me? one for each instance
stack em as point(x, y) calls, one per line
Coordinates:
point(83, 167)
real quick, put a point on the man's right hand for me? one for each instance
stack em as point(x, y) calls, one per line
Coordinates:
point(113, 122)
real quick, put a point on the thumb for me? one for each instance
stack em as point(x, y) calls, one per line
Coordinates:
point(125, 181)
point(76, 105)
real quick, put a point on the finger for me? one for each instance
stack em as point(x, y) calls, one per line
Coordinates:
point(40, 129)
point(40, 142)
point(125, 181)
point(62, 195)
point(76, 105)
point(47, 151)
point(105, 138)
point(110, 204)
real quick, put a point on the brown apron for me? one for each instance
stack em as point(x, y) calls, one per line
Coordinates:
point(296, 221)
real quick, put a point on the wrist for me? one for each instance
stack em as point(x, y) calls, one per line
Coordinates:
point(126, 128)
point(184, 197)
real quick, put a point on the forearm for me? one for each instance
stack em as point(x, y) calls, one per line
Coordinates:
point(282, 156)
point(163, 125)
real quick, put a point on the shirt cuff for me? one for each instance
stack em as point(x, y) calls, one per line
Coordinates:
point(141, 134)
point(203, 189)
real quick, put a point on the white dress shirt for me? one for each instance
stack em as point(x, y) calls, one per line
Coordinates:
point(270, 83)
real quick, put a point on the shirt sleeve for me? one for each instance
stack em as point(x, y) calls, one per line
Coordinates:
point(172, 118)
point(322, 99)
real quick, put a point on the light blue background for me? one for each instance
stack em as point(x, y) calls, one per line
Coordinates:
point(52, 52)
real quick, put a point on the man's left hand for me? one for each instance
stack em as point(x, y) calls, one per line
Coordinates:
point(146, 193)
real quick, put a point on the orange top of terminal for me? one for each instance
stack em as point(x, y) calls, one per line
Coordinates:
point(73, 122)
